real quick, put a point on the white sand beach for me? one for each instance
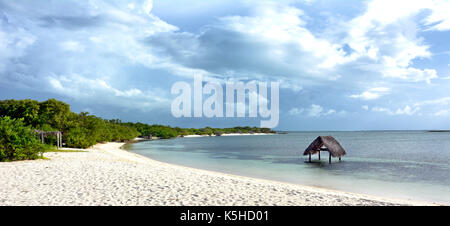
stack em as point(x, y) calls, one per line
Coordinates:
point(108, 175)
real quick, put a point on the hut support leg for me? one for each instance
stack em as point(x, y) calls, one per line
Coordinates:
point(339, 159)
point(309, 157)
point(330, 158)
point(57, 140)
point(319, 155)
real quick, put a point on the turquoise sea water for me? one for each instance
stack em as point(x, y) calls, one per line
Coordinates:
point(398, 164)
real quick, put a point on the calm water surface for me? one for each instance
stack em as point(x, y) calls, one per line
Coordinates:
point(401, 164)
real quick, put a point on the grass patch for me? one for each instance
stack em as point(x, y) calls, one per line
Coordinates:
point(62, 150)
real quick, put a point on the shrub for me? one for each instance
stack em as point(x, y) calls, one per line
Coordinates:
point(17, 141)
point(78, 137)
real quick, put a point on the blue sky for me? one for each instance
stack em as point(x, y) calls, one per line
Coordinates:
point(342, 65)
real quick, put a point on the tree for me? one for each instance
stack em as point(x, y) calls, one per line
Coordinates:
point(55, 113)
point(26, 109)
point(18, 141)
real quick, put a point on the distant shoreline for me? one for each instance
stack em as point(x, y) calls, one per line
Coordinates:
point(138, 139)
point(229, 134)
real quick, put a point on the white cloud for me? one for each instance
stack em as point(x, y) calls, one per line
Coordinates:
point(96, 39)
point(407, 110)
point(271, 41)
point(56, 84)
point(314, 111)
point(372, 94)
point(442, 113)
point(443, 101)
point(101, 92)
point(279, 25)
point(72, 46)
point(75, 53)
point(380, 109)
point(437, 107)
point(365, 107)
point(283, 46)
point(330, 112)
point(439, 18)
point(289, 84)
point(434, 107)
point(296, 111)
point(148, 5)
point(274, 40)
point(391, 40)
point(410, 73)
point(366, 95)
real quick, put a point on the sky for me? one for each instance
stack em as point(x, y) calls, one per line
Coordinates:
point(341, 65)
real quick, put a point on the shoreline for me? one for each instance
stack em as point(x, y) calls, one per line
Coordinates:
point(106, 174)
point(229, 134)
point(306, 187)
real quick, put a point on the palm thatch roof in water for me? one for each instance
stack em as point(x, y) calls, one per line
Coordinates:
point(331, 144)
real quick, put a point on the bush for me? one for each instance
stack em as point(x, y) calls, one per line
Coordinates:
point(79, 138)
point(17, 141)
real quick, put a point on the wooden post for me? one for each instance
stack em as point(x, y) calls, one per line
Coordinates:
point(330, 158)
point(339, 158)
point(57, 140)
point(61, 140)
point(319, 154)
point(310, 157)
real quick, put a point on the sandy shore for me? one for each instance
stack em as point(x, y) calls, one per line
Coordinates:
point(108, 175)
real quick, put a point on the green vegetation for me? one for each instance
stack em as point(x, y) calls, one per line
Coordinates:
point(79, 130)
point(166, 132)
point(20, 117)
point(18, 142)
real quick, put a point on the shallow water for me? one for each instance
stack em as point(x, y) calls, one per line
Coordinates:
point(398, 164)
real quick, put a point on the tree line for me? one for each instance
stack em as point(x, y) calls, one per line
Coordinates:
point(166, 132)
point(19, 119)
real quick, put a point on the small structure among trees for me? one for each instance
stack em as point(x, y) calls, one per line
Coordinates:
point(325, 143)
point(43, 134)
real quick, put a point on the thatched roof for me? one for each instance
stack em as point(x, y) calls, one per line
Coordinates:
point(329, 142)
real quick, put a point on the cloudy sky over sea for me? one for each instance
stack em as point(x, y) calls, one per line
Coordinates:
point(342, 65)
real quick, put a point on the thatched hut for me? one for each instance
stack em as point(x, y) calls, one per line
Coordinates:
point(325, 143)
